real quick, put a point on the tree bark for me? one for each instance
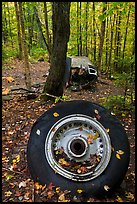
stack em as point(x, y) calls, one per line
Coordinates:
point(47, 28)
point(102, 37)
point(86, 28)
point(18, 28)
point(27, 68)
point(78, 46)
point(125, 38)
point(94, 33)
point(61, 31)
point(111, 45)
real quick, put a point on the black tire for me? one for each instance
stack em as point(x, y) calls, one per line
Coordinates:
point(114, 172)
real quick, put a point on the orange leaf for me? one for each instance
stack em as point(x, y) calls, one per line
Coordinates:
point(6, 91)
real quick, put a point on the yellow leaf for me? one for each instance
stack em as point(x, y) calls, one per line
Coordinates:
point(107, 129)
point(119, 199)
point(79, 190)
point(6, 91)
point(8, 193)
point(106, 188)
point(118, 156)
point(120, 152)
point(55, 114)
point(18, 158)
point(96, 136)
point(57, 189)
point(130, 196)
point(14, 161)
point(62, 197)
point(112, 148)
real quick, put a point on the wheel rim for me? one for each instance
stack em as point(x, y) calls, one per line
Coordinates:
point(78, 147)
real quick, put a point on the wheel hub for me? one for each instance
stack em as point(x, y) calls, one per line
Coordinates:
point(78, 147)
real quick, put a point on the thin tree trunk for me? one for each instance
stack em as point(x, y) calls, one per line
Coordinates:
point(125, 38)
point(107, 41)
point(40, 30)
point(80, 30)
point(102, 37)
point(10, 33)
point(30, 29)
point(118, 42)
point(111, 45)
point(47, 29)
point(115, 41)
point(4, 25)
point(86, 28)
point(78, 46)
point(94, 33)
point(18, 28)
point(27, 68)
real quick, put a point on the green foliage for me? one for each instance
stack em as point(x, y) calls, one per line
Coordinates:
point(37, 53)
point(117, 104)
point(62, 98)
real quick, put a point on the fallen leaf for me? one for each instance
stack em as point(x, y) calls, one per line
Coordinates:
point(130, 196)
point(6, 91)
point(55, 114)
point(17, 193)
point(63, 162)
point(107, 130)
point(120, 152)
point(9, 79)
point(119, 199)
point(8, 177)
point(62, 197)
point(8, 193)
point(96, 111)
point(79, 190)
point(118, 156)
point(51, 186)
point(98, 116)
point(106, 188)
point(50, 194)
point(22, 184)
point(57, 189)
point(96, 136)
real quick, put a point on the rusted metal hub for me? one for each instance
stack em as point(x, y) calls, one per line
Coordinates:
point(78, 147)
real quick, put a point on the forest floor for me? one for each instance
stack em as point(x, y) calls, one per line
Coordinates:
point(18, 116)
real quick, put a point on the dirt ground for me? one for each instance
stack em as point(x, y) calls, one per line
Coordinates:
point(18, 116)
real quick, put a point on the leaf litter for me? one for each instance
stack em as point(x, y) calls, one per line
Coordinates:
point(18, 116)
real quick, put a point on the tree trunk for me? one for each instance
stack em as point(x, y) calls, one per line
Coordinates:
point(41, 32)
point(86, 29)
point(61, 31)
point(107, 41)
point(47, 28)
point(27, 68)
point(78, 46)
point(10, 33)
point(18, 28)
point(80, 31)
point(102, 37)
point(111, 46)
point(94, 33)
point(30, 28)
point(125, 38)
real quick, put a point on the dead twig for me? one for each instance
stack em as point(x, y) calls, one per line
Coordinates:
point(17, 172)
